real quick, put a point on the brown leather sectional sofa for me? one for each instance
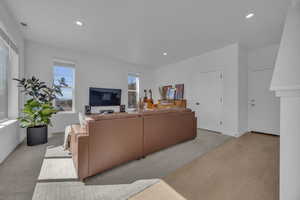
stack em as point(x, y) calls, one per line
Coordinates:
point(110, 140)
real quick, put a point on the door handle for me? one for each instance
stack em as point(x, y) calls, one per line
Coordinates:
point(197, 103)
point(252, 102)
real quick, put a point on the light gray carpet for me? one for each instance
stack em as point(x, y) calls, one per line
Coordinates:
point(79, 191)
point(57, 152)
point(19, 173)
point(160, 164)
point(156, 165)
point(55, 169)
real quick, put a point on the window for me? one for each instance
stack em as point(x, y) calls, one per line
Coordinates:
point(4, 55)
point(67, 71)
point(133, 91)
point(9, 69)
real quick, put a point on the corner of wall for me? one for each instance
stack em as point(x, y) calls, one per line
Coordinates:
point(242, 90)
point(12, 135)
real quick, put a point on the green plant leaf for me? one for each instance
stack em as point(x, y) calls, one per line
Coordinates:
point(39, 109)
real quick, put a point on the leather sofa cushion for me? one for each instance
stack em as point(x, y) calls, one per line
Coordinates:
point(113, 116)
point(77, 129)
point(136, 114)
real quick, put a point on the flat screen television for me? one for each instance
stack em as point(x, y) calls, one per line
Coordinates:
point(105, 97)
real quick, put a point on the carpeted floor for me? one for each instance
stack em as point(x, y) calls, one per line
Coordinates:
point(246, 168)
point(161, 163)
point(19, 173)
point(80, 191)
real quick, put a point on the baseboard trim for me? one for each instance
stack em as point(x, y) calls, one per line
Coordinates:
point(258, 132)
point(209, 130)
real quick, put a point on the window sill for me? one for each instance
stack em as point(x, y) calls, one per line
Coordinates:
point(8, 122)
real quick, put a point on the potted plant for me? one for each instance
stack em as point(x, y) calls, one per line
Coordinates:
point(39, 108)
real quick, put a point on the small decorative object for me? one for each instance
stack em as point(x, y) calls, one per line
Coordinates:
point(179, 91)
point(87, 109)
point(122, 108)
point(38, 109)
point(166, 88)
point(145, 97)
point(162, 94)
point(150, 94)
point(141, 104)
point(163, 91)
point(150, 100)
point(171, 93)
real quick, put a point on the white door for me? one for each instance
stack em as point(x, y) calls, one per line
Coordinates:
point(264, 106)
point(206, 99)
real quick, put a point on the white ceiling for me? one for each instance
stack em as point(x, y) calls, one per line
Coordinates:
point(139, 31)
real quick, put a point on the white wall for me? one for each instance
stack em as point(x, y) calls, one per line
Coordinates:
point(236, 62)
point(243, 90)
point(225, 59)
point(9, 138)
point(91, 71)
point(263, 59)
point(10, 133)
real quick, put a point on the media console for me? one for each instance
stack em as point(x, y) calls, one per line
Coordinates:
point(106, 111)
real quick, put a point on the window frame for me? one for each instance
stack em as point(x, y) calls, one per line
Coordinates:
point(66, 64)
point(13, 70)
point(137, 89)
point(4, 43)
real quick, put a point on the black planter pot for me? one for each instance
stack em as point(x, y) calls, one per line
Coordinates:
point(37, 135)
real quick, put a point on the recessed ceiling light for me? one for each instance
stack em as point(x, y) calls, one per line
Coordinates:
point(165, 53)
point(250, 15)
point(79, 23)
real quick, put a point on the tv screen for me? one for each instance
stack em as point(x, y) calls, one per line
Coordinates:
point(105, 97)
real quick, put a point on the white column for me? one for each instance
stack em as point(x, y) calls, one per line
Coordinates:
point(289, 145)
point(286, 83)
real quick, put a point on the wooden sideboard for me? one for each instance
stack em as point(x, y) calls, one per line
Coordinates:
point(171, 103)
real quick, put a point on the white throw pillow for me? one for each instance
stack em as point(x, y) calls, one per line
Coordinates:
point(82, 121)
point(68, 131)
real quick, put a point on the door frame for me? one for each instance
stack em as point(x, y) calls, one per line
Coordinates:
point(250, 71)
point(221, 120)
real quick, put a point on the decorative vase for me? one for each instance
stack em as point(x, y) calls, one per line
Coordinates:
point(37, 135)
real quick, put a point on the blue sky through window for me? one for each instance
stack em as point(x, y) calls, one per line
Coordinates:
point(131, 79)
point(68, 74)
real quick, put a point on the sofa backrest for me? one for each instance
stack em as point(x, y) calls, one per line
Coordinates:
point(118, 138)
point(114, 141)
point(166, 129)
